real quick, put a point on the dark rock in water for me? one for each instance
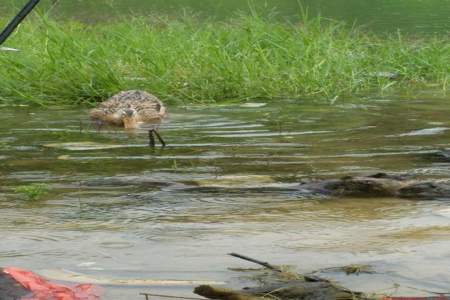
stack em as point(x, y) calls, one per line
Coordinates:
point(376, 185)
point(295, 290)
point(11, 289)
point(379, 185)
point(441, 155)
point(304, 290)
point(426, 190)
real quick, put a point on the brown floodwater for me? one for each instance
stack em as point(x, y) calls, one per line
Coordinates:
point(124, 210)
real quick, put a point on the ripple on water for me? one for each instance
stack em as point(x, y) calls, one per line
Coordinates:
point(422, 132)
point(13, 254)
point(116, 245)
point(270, 134)
point(223, 183)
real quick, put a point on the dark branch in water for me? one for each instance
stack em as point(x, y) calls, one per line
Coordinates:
point(282, 287)
point(274, 268)
point(261, 263)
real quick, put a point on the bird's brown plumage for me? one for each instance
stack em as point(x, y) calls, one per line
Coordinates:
point(145, 108)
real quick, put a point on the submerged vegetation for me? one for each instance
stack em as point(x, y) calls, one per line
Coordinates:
point(204, 61)
point(33, 191)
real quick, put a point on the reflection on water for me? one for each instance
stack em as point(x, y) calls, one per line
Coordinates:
point(225, 183)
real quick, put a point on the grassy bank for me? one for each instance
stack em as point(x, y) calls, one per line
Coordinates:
point(190, 61)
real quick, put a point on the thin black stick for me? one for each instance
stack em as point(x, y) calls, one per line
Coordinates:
point(262, 263)
point(17, 20)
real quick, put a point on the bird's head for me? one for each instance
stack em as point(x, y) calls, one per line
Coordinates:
point(129, 118)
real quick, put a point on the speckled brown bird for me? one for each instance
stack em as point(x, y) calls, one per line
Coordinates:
point(131, 109)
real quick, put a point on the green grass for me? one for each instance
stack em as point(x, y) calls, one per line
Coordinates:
point(32, 192)
point(203, 61)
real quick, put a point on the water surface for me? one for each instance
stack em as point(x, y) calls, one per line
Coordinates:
point(134, 212)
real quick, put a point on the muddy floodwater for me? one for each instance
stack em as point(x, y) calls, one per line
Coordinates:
point(122, 210)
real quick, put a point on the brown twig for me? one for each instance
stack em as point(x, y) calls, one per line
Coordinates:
point(261, 263)
point(275, 268)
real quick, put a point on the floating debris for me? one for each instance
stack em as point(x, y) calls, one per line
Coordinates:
point(275, 283)
point(281, 285)
point(352, 269)
point(253, 104)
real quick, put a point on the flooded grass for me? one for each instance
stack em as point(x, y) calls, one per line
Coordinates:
point(33, 191)
point(187, 60)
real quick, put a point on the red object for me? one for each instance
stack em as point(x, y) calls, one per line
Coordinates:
point(42, 289)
